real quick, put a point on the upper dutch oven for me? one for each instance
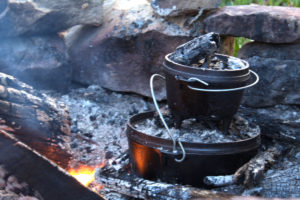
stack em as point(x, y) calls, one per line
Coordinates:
point(206, 93)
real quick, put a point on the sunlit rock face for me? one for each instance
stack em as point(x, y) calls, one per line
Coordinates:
point(272, 24)
point(126, 49)
point(279, 69)
point(171, 8)
point(43, 16)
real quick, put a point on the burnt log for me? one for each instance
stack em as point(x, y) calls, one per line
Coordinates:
point(33, 117)
point(198, 48)
point(251, 173)
point(42, 175)
point(116, 177)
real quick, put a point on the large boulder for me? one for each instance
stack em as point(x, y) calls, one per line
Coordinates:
point(264, 50)
point(171, 8)
point(126, 50)
point(272, 24)
point(44, 16)
point(279, 69)
point(39, 61)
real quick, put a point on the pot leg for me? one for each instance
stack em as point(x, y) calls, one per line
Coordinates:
point(178, 120)
point(225, 125)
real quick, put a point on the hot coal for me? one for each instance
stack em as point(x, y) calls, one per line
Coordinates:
point(199, 131)
point(200, 52)
point(199, 48)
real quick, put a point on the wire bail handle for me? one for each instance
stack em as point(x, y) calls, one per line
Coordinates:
point(163, 120)
point(221, 90)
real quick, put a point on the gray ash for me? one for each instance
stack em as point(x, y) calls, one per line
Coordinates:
point(197, 131)
point(214, 63)
point(13, 189)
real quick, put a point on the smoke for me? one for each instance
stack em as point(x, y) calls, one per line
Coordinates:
point(3, 5)
point(37, 56)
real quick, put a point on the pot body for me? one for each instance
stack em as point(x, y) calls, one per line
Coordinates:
point(186, 103)
point(152, 157)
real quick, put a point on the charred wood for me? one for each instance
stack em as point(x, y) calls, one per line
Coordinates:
point(198, 48)
point(43, 176)
point(251, 173)
point(31, 112)
point(116, 177)
point(33, 117)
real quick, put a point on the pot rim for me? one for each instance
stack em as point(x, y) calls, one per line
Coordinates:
point(166, 145)
point(212, 70)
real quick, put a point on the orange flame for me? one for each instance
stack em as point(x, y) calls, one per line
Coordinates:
point(84, 174)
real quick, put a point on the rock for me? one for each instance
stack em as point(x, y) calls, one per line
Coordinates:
point(171, 8)
point(280, 122)
point(270, 24)
point(279, 82)
point(278, 66)
point(39, 61)
point(264, 50)
point(126, 50)
point(43, 16)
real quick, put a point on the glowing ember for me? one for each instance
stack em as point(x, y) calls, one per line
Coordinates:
point(84, 174)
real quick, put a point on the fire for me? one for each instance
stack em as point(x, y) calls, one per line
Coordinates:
point(84, 174)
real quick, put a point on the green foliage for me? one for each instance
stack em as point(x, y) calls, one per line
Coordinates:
point(240, 41)
point(295, 3)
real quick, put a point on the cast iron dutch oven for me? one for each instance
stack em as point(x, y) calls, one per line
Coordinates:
point(153, 157)
point(205, 93)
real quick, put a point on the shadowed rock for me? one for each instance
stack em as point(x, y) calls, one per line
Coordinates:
point(43, 16)
point(278, 66)
point(39, 61)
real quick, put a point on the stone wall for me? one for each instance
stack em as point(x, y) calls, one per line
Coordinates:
point(30, 46)
point(119, 44)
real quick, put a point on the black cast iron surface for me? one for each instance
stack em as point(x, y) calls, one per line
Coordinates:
point(186, 103)
point(152, 157)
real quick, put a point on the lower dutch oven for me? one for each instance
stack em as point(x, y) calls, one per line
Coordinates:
point(153, 158)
